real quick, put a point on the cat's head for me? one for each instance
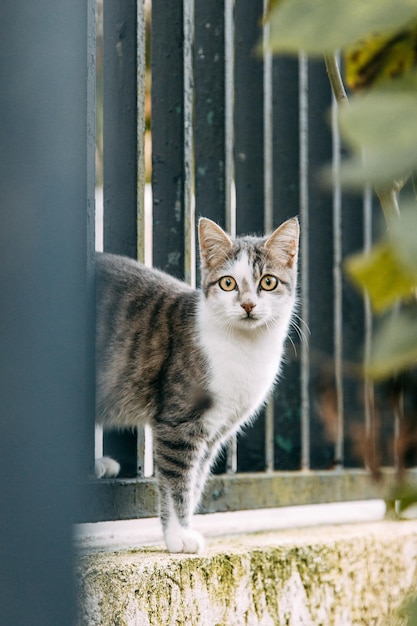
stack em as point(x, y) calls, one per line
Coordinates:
point(249, 282)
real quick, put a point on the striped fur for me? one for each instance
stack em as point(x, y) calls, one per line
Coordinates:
point(194, 364)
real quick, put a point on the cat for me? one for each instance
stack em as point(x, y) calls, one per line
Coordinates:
point(194, 364)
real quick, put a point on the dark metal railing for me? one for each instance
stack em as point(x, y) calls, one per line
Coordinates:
point(239, 136)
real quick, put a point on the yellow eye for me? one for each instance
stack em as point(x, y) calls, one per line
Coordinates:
point(227, 283)
point(268, 282)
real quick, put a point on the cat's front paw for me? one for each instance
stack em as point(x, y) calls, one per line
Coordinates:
point(184, 540)
point(106, 467)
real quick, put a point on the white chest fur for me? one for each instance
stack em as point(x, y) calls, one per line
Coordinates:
point(243, 367)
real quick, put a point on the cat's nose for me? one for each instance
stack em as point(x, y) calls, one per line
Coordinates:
point(248, 306)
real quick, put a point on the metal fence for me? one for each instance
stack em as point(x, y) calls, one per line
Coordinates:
point(240, 136)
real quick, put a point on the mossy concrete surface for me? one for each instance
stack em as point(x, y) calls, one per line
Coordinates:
point(341, 576)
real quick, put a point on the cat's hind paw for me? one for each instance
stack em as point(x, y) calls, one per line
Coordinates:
point(106, 467)
point(184, 540)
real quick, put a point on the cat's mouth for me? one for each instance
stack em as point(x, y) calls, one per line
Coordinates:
point(249, 317)
point(250, 320)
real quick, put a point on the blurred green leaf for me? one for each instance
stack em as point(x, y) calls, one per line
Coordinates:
point(394, 346)
point(327, 25)
point(409, 611)
point(404, 236)
point(381, 129)
point(389, 274)
point(405, 495)
point(382, 274)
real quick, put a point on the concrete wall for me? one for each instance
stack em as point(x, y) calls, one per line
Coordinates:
point(339, 575)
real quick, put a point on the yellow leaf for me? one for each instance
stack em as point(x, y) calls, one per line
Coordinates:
point(382, 274)
point(381, 56)
point(327, 25)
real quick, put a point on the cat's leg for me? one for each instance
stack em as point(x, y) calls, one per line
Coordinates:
point(206, 463)
point(175, 518)
point(177, 465)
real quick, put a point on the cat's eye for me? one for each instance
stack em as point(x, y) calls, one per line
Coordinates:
point(227, 283)
point(268, 282)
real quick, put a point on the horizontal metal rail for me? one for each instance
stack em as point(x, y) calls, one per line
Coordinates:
point(138, 498)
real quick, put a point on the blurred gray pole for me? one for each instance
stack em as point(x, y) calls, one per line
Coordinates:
point(44, 395)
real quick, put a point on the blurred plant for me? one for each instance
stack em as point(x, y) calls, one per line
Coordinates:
point(380, 127)
point(378, 123)
point(408, 612)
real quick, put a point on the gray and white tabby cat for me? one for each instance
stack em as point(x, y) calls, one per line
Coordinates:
point(194, 364)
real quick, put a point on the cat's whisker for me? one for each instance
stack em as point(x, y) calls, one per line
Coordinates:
point(228, 324)
point(270, 324)
point(300, 332)
point(302, 323)
point(293, 345)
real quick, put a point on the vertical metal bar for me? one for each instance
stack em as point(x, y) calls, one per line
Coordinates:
point(44, 312)
point(304, 215)
point(249, 124)
point(189, 217)
point(286, 203)
point(91, 221)
point(168, 174)
point(98, 53)
point(268, 207)
point(91, 129)
point(141, 180)
point(353, 327)
point(121, 165)
point(267, 127)
point(209, 112)
point(120, 127)
point(148, 466)
point(141, 126)
point(231, 456)
point(98, 149)
point(398, 412)
point(286, 137)
point(338, 289)
point(320, 207)
point(140, 452)
point(249, 165)
point(269, 437)
point(368, 384)
point(230, 207)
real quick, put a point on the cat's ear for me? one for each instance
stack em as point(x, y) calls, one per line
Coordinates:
point(215, 244)
point(284, 241)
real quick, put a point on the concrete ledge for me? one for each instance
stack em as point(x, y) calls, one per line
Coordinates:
point(332, 575)
point(137, 533)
